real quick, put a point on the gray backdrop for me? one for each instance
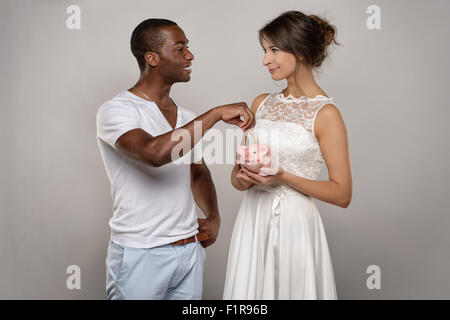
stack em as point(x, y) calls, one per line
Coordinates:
point(391, 86)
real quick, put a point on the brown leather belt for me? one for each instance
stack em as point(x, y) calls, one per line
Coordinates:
point(200, 237)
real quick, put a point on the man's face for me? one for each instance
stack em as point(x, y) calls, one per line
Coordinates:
point(175, 58)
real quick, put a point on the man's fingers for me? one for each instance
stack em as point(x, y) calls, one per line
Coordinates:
point(247, 114)
point(207, 243)
point(202, 225)
point(246, 118)
point(235, 121)
point(237, 112)
point(251, 120)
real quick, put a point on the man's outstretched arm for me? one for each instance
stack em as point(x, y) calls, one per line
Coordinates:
point(205, 196)
point(157, 151)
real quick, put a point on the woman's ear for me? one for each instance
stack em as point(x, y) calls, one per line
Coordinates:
point(152, 58)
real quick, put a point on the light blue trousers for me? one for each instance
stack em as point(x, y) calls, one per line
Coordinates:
point(164, 272)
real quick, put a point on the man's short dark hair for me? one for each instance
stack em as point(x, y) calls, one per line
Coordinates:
point(147, 37)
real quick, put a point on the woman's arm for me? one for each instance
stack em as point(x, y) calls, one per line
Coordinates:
point(332, 136)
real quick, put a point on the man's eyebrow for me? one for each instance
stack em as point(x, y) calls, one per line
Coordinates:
point(181, 42)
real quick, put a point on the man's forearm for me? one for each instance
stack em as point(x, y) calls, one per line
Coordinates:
point(159, 148)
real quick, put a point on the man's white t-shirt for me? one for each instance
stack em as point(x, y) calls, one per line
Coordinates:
point(152, 206)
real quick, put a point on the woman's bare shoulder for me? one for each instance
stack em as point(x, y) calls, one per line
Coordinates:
point(328, 117)
point(257, 101)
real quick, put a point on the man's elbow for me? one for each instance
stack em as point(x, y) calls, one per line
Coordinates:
point(152, 158)
point(156, 164)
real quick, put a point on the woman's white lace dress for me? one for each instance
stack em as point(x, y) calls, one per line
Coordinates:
point(278, 247)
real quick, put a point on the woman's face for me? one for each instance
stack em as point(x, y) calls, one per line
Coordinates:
point(280, 64)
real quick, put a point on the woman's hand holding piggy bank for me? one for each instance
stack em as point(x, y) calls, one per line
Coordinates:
point(255, 157)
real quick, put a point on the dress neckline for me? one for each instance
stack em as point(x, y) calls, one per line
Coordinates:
point(291, 97)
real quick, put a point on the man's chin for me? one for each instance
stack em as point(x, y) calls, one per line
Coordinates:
point(185, 78)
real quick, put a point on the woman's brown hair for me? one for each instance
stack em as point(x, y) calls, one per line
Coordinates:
point(303, 35)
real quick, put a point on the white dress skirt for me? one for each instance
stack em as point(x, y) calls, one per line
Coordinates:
point(291, 261)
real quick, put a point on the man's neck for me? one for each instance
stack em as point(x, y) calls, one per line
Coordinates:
point(156, 89)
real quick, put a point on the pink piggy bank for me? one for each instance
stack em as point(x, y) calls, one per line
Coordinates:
point(254, 157)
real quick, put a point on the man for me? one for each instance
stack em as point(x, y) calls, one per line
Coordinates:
point(157, 243)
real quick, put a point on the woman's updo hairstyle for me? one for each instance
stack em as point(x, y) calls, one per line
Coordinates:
point(303, 35)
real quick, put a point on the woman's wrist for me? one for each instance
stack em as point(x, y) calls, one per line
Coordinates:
point(281, 175)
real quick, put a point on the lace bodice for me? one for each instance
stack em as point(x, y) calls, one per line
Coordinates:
point(286, 124)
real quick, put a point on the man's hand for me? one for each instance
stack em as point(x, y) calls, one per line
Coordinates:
point(232, 113)
point(210, 226)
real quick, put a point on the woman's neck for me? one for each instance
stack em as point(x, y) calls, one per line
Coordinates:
point(303, 79)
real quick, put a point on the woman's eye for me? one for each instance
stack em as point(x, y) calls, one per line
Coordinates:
point(274, 50)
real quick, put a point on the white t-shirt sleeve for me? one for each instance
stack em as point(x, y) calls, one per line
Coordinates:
point(113, 120)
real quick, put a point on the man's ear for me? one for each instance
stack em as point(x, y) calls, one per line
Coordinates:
point(152, 58)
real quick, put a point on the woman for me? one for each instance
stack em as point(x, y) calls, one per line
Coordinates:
point(278, 248)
